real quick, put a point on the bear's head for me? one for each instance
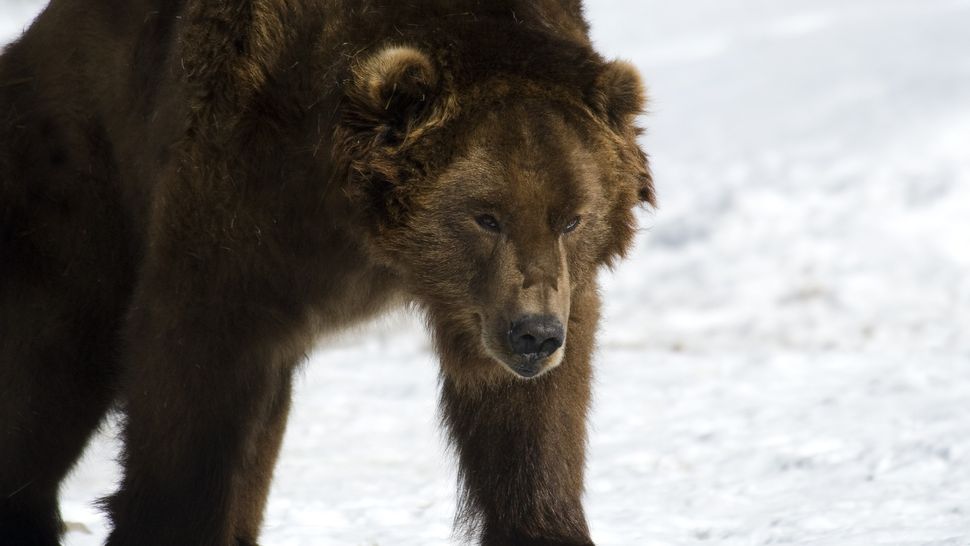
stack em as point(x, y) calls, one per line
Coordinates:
point(495, 193)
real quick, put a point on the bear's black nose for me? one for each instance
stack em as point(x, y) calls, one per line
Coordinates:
point(536, 336)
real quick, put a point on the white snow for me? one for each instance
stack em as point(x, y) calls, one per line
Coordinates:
point(786, 354)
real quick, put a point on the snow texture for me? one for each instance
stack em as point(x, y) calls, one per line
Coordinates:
point(786, 354)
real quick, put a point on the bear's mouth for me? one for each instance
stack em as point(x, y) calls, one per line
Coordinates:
point(530, 366)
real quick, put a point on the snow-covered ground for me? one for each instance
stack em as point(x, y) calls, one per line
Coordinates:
point(786, 355)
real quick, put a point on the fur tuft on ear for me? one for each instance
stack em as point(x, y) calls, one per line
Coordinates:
point(647, 193)
point(644, 178)
point(392, 82)
point(620, 93)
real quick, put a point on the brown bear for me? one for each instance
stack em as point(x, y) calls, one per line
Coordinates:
point(192, 191)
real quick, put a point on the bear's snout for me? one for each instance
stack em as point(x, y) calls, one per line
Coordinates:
point(535, 337)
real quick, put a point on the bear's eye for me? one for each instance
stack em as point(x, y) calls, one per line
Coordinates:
point(572, 225)
point(488, 223)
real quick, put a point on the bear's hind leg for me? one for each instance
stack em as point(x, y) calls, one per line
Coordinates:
point(56, 367)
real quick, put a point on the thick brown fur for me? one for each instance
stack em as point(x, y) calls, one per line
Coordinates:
point(192, 192)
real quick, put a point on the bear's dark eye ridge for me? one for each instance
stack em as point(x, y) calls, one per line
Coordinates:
point(489, 223)
point(572, 225)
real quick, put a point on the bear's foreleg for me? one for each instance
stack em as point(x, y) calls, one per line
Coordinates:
point(211, 344)
point(257, 471)
point(521, 447)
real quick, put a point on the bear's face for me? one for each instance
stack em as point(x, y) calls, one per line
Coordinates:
point(518, 218)
point(496, 215)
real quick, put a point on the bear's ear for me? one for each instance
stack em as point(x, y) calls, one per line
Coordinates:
point(619, 96)
point(619, 93)
point(392, 87)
